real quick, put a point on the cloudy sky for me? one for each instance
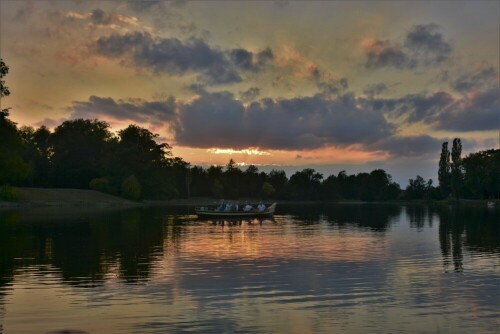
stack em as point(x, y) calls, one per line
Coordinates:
point(329, 85)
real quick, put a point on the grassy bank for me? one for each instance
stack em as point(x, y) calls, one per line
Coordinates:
point(73, 198)
point(50, 197)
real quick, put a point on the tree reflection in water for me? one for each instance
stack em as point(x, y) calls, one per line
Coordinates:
point(88, 247)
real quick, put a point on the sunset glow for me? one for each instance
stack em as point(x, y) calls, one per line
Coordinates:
point(292, 84)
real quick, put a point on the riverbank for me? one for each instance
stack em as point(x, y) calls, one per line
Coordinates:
point(74, 198)
point(83, 198)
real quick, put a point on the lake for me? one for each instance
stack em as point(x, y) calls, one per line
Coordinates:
point(353, 268)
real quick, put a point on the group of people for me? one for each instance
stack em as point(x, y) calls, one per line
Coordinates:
point(235, 207)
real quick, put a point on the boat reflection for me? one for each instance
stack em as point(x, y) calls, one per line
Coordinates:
point(241, 221)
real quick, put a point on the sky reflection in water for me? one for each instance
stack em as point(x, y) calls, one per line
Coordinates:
point(313, 268)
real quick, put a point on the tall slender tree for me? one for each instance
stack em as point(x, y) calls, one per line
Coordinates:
point(444, 172)
point(456, 168)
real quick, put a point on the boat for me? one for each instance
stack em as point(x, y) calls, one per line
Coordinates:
point(210, 212)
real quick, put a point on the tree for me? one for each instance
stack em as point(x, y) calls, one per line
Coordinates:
point(444, 172)
point(456, 168)
point(12, 166)
point(267, 190)
point(4, 90)
point(306, 184)
point(131, 188)
point(279, 181)
point(231, 180)
point(78, 151)
point(481, 174)
point(138, 152)
point(416, 188)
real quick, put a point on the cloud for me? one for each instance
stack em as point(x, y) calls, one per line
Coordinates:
point(219, 120)
point(475, 111)
point(476, 80)
point(408, 146)
point(250, 94)
point(383, 54)
point(428, 44)
point(173, 56)
point(376, 89)
point(98, 17)
point(170, 55)
point(150, 5)
point(249, 61)
point(424, 45)
point(140, 111)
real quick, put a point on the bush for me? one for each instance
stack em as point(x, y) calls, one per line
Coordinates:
point(9, 194)
point(267, 190)
point(101, 184)
point(131, 188)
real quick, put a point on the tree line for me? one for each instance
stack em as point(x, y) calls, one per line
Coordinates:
point(85, 154)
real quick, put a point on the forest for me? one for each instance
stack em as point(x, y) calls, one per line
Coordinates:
point(132, 163)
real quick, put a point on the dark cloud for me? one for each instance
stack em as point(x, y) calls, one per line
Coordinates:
point(424, 107)
point(428, 44)
point(383, 54)
point(421, 107)
point(174, 56)
point(476, 80)
point(219, 120)
point(171, 55)
point(471, 112)
point(249, 61)
point(98, 16)
point(376, 89)
point(475, 112)
point(408, 146)
point(330, 87)
point(250, 94)
point(139, 111)
point(424, 45)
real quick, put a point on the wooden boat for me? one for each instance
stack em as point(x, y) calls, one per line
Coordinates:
point(207, 212)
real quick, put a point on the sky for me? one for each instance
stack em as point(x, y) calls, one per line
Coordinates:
point(329, 85)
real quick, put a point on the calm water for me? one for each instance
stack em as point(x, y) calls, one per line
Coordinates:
point(313, 269)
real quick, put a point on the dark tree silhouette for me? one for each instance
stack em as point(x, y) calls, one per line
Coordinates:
point(456, 168)
point(78, 147)
point(444, 171)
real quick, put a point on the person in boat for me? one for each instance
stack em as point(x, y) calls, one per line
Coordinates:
point(247, 207)
point(261, 207)
point(228, 207)
point(222, 206)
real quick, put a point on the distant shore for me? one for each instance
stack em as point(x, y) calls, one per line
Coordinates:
point(82, 198)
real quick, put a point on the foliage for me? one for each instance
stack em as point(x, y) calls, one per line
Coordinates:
point(4, 90)
point(8, 193)
point(456, 168)
point(131, 189)
point(78, 147)
point(306, 184)
point(102, 184)
point(217, 188)
point(4, 69)
point(482, 174)
point(267, 190)
point(444, 171)
point(419, 189)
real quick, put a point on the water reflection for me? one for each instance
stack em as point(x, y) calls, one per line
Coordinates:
point(311, 268)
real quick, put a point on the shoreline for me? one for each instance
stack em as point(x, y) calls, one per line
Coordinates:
point(83, 198)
